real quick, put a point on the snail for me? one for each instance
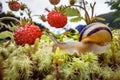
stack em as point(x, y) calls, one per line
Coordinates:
point(95, 38)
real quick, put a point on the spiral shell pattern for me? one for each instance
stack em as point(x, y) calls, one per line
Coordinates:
point(98, 33)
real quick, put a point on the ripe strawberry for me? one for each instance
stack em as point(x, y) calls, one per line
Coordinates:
point(56, 19)
point(14, 5)
point(27, 34)
point(54, 2)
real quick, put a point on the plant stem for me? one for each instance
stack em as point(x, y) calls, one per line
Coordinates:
point(87, 17)
point(9, 18)
point(113, 55)
point(92, 7)
point(47, 9)
point(57, 71)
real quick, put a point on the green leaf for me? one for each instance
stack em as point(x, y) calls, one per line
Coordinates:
point(73, 12)
point(70, 12)
point(12, 26)
point(100, 18)
point(115, 5)
point(76, 19)
point(117, 19)
point(6, 34)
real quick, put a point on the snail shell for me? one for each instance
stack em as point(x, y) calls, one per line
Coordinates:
point(98, 33)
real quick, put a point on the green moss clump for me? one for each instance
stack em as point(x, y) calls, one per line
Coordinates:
point(38, 62)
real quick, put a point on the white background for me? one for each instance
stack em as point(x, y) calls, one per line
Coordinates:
point(38, 7)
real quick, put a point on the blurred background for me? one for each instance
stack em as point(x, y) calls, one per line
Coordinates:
point(38, 6)
point(103, 8)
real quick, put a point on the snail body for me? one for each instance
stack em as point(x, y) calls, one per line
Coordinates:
point(94, 38)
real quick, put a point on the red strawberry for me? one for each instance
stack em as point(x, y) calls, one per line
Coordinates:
point(56, 19)
point(27, 34)
point(14, 5)
point(54, 2)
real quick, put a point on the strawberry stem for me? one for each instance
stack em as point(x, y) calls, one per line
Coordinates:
point(88, 18)
point(47, 9)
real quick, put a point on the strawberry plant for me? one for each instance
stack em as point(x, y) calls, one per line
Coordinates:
point(72, 12)
point(28, 54)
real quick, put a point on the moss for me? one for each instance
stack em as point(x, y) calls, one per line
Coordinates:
point(38, 62)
